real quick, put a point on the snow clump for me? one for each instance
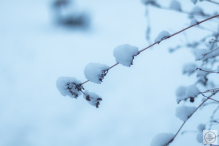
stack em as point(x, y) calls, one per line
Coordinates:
point(175, 5)
point(124, 54)
point(95, 72)
point(193, 22)
point(183, 112)
point(69, 86)
point(162, 35)
point(92, 98)
point(189, 68)
point(183, 93)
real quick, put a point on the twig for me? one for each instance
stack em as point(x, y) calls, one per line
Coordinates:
point(166, 38)
point(212, 1)
point(190, 117)
point(206, 70)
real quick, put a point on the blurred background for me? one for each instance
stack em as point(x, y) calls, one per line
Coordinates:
point(41, 40)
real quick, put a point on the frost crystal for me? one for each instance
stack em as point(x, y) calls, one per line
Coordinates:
point(189, 68)
point(69, 86)
point(162, 35)
point(95, 72)
point(162, 139)
point(175, 5)
point(124, 54)
point(193, 22)
point(183, 112)
point(92, 98)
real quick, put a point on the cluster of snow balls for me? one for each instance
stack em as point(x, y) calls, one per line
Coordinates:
point(95, 72)
point(183, 93)
point(162, 139)
point(205, 54)
point(175, 5)
point(162, 35)
point(189, 68)
point(69, 86)
point(92, 98)
point(194, 1)
point(199, 136)
point(184, 112)
point(124, 54)
point(193, 22)
point(197, 10)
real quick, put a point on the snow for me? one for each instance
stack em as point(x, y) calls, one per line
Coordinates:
point(148, 1)
point(204, 54)
point(124, 54)
point(192, 91)
point(189, 68)
point(183, 92)
point(175, 5)
point(92, 98)
point(161, 139)
point(202, 75)
point(162, 35)
point(94, 72)
point(183, 112)
point(67, 86)
point(201, 127)
point(199, 137)
point(197, 10)
point(180, 93)
point(193, 22)
point(194, 1)
point(218, 69)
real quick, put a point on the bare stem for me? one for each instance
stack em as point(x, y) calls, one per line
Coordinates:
point(212, 2)
point(166, 38)
point(190, 117)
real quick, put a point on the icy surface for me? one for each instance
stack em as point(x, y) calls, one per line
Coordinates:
point(67, 86)
point(193, 22)
point(175, 5)
point(183, 112)
point(161, 139)
point(189, 68)
point(162, 35)
point(94, 72)
point(124, 54)
point(92, 98)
